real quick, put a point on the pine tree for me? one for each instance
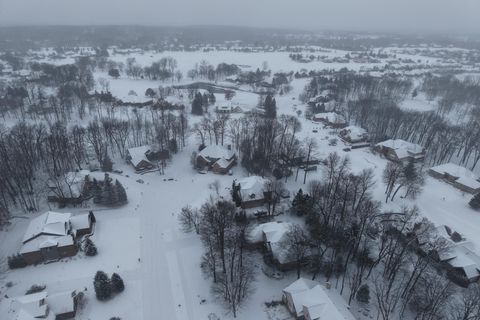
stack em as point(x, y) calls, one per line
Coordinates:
point(117, 283)
point(121, 193)
point(90, 248)
point(363, 294)
point(108, 196)
point(107, 164)
point(205, 102)
point(475, 202)
point(197, 104)
point(101, 283)
point(270, 107)
point(211, 98)
point(96, 192)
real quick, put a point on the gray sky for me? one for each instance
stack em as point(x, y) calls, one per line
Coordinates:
point(376, 15)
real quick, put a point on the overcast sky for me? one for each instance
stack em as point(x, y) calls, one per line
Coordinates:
point(375, 15)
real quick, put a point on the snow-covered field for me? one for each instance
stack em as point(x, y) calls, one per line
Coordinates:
point(142, 240)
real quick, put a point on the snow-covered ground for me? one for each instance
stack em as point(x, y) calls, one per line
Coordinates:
point(142, 240)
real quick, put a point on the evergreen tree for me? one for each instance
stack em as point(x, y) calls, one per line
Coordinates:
point(270, 107)
point(475, 202)
point(96, 191)
point(117, 283)
point(363, 294)
point(197, 104)
point(90, 248)
point(121, 193)
point(302, 203)
point(205, 102)
point(108, 193)
point(107, 164)
point(212, 99)
point(101, 283)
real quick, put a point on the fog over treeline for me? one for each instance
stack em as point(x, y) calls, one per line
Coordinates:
point(158, 37)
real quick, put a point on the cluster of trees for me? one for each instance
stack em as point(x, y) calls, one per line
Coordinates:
point(206, 71)
point(200, 103)
point(106, 192)
point(89, 248)
point(270, 106)
point(33, 153)
point(387, 257)
point(397, 176)
point(106, 287)
point(225, 259)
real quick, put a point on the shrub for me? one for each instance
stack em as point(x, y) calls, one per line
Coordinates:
point(101, 283)
point(90, 248)
point(117, 283)
point(16, 261)
point(35, 288)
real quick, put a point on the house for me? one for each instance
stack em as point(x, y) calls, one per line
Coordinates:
point(463, 260)
point(331, 119)
point(41, 305)
point(223, 109)
point(458, 176)
point(307, 299)
point(138, 158)
point(30, 306)
point(217, 158)
point(354, 136)
point(53, 235)
point(251, 192)
point(63, 305)
point(144, 157)
point(400, 150)
point(270, 235)
point(69, 188)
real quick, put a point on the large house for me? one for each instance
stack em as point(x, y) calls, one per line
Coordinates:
point(53, 235)
point(400, 150)
point(216, 158)
point(41, 305)
point(307, 299)
point(144, 157)
point(458, 176)
point(354, 136)
point(251, 192)
point(331, 119)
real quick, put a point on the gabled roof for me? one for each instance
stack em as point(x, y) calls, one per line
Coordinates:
point(402, 148)
point(462, 175)
point(216, 152)
point(309, 296)
point(62, 302)
point(30, 306)
point(331, 117)
point(48, 223)
point(252, 188)
point(138, 154)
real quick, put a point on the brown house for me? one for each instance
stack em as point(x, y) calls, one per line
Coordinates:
point(331, 119)
point(216, 158)
point(53, 235)
point(400, 150)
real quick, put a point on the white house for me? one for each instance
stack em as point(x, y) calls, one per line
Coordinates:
point(331, 119)
point(307, 299)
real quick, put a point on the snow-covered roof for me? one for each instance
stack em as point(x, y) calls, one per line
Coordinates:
point(224, 163)
point(269, 229)
point(331, 117)
point(46, 241)
point(252, 188)
point(62, 302)
point(310, 297)
point(138, 154)
point(30, 306)
point(50, 223)
point(402, 148)
point(462, 256)
point(462, 175)
point(216, 152)
point(81, 221)
point(354, 132)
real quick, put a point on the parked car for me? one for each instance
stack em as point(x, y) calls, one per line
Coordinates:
point(202, 171)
